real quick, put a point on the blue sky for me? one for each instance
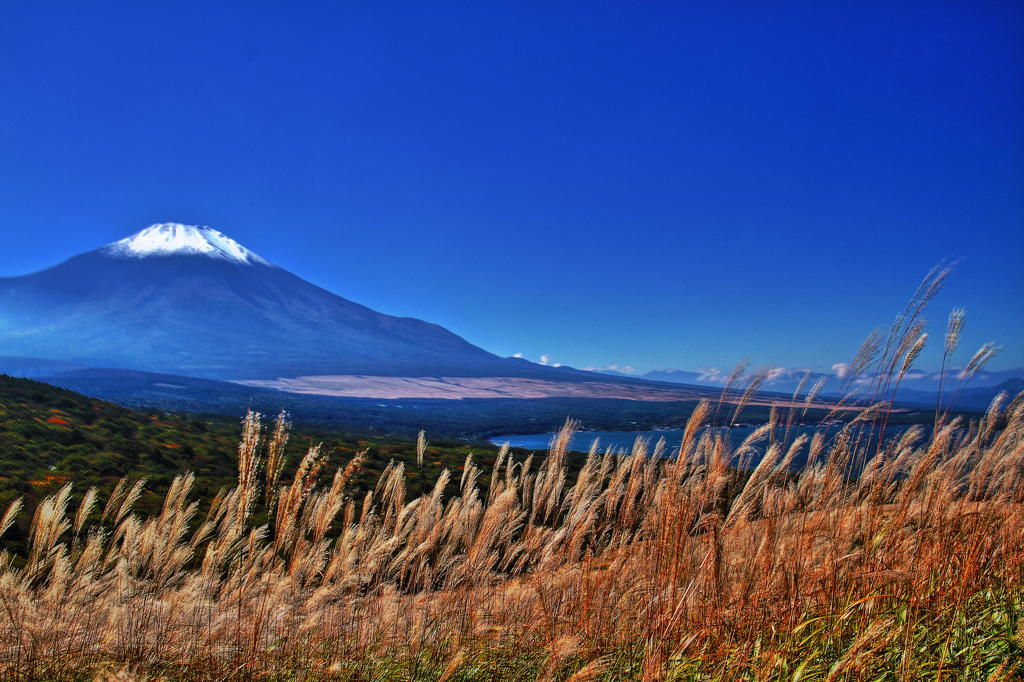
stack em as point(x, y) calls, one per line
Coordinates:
point(673, 187)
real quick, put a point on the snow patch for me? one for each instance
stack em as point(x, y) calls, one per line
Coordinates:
point(165, 239)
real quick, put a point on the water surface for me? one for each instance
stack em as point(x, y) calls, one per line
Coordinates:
point(623, 440)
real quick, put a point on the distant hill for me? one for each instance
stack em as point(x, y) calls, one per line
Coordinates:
point(35, 368)
point(969, 399)
point(918, 387)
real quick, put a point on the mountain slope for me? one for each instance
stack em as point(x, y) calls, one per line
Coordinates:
point(190, 300)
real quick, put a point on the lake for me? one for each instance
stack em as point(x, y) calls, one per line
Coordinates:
point(623, 440)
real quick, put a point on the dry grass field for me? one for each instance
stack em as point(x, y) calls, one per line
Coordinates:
point(872, 560)
point(652, 567)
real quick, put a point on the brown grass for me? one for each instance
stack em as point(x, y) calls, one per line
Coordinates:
point(646, 567)
point(898, 559)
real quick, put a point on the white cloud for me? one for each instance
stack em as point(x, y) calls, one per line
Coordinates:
point(841, 368)
point(625, 369)
point(711, 374)
point(545, 359)
point(517, 355)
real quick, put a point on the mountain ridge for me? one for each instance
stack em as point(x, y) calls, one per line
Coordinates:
point(918, 386)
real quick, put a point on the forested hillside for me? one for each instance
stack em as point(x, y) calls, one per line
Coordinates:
point(49, 436)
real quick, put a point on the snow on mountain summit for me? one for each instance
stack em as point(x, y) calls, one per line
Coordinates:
point(166, 239)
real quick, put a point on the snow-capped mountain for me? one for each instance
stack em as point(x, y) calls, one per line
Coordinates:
point(165, 239)
point(190, 300)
